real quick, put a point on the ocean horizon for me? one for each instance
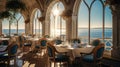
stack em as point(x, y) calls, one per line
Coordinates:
point(82, 32)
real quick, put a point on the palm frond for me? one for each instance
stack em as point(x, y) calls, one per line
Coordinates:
point(15, 5)
point(4, 14)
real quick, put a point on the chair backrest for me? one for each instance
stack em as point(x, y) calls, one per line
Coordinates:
point(58, 41)
point(43, 41)
point(96, 42)
point(12, 49)
point(51, 50)
point(98, 51)
point(5, 42)
point(76, 40)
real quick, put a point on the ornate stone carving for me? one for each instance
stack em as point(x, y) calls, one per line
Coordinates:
point(41, 18)
point(27, 21)
point(66, 14)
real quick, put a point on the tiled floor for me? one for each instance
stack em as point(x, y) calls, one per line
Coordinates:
point(29, 59)
point(35, 59)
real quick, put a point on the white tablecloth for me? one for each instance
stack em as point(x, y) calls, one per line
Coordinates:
point(73, 52)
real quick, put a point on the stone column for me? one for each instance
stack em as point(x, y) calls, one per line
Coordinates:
point(74, 27)
point(68, 28)
point(26, 29)
point(47, 28)
point(0, 26)
point(116, 32)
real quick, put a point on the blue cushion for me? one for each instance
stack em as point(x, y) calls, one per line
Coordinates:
point(4, 42)
point(43, 42)
point(13, 50)
point(50, 51)
point(99, 52)
point(88, 58)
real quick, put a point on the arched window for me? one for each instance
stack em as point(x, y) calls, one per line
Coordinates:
point(94, 21)
point(37, 26)
point(57, 23)
point(13, 25)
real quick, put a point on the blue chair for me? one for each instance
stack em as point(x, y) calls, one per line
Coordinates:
point(76, 40)
point(10, 53)
point(94, 57)
point(5, 42)
point(42, 45)
point(55, 56)
point(58, 41)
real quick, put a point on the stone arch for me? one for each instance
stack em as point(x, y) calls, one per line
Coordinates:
point(47, 17)
point(31, 20)
point(75, 18)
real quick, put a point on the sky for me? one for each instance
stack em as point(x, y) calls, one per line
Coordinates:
point(96, 16)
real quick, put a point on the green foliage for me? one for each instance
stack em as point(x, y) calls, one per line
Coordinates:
point(15, 5)
point(5, 14)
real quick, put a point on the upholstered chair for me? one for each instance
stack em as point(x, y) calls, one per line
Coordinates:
point(93, 57)
point(9, 53)
point(55, 56)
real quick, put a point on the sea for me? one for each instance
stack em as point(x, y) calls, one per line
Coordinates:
point(95, 33)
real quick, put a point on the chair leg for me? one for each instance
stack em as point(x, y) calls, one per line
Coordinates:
point(60, 64)
point(54, 64)
point(15, 62)
point(50, 64)
point(8, 62)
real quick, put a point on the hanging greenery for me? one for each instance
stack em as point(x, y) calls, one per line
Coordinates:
point(15, 5)
point(4, 14)
point(113, 2)
point(41, 18)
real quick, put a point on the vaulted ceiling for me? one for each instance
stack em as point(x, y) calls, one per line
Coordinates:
point(2, 5)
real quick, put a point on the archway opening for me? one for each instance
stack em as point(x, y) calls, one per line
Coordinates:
point(37, 25)
point(95, 22)
point(57, 23)
point(13, 25)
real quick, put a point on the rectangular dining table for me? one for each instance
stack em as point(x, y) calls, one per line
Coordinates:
point(72, 51)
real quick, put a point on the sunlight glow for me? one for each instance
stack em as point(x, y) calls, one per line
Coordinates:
point(56, 12)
